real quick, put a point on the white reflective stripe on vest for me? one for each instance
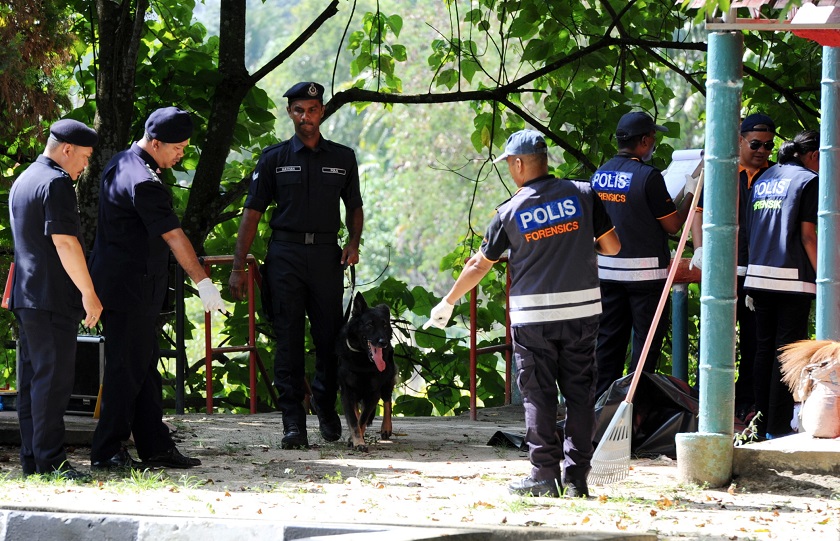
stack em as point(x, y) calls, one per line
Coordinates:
point(791, 286)
point(628, 262)
point(630, 269)
point(784, 273)
point(553, 299)
point(519, 317)
point(742, 271)
point(632, 275)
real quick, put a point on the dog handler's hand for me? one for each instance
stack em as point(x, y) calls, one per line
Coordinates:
point(210, 296)
point(238, 284)
point(440, 315)
point(350, 255)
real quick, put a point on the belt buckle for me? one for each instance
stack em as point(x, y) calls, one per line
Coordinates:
point(309, 238)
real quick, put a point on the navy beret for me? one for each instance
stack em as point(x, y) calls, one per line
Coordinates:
point(305, 91)
point(169, 125)
point(73, 132)
point(758, 122)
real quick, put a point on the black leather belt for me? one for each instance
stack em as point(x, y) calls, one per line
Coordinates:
point(305, 238)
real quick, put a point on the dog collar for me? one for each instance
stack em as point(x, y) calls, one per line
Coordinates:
point(351, 348)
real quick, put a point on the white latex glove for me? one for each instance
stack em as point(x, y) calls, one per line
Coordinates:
point(210, 296)
point(440, 315)
point(696, 259)
point(690, 185)
point(748, 301)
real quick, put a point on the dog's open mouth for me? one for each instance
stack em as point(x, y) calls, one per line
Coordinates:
point(375, 354)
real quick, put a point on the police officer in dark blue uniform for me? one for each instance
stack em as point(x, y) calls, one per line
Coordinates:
point(638, 202)
point(305, 177)
point(51, 292)
point(549, 225)
point(781, 276)
point(136, 230)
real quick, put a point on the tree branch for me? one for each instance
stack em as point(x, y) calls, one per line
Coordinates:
point(325, 15)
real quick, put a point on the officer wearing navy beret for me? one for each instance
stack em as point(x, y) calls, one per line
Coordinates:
point(52, 291)
point(129, 264)
point(305, 178)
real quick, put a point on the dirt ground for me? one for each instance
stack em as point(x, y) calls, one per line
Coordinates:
point(435, 471)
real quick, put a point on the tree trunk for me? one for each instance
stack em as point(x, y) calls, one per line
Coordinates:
point(120, 29)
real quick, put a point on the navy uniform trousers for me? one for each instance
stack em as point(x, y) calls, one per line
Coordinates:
point(305, 279)
point(781, 319)
point(46, 372)
point(131, 389)
point(549, 355)
point(628, 306)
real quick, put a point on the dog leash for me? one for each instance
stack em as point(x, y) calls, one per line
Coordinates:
point(352, 292)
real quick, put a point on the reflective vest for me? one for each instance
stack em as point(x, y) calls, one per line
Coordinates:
point(644, 251)
point(554, 274)
point(778, 261)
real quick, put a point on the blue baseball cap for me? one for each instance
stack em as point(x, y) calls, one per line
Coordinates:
point(523, 142)
point(758, 122)
point(636, 123)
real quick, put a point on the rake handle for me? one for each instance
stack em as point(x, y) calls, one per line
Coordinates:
point(637, 374)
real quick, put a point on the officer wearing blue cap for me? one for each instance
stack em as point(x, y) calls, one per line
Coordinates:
point(136, 231)
point(554, 307)
point(638, 202)
point(52, 291)
point(306, 178)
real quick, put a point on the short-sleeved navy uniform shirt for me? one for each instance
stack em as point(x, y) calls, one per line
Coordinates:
point(306, 185)
point(42, 203)
point(135, 209)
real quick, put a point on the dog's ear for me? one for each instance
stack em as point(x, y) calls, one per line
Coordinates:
point(359, 304)
point(383, 311)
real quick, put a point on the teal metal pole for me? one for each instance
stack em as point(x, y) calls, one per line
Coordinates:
point(706, 456)
point(720, 222)
point(828, 217)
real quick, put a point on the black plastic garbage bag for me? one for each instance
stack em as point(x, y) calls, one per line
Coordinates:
point(663, 406)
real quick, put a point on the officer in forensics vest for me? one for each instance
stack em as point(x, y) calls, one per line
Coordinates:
point(782, 222)
point(552, 228)
point(639, 205)
point(52, 291)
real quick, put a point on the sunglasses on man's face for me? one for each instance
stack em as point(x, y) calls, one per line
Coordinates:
point(755, 144)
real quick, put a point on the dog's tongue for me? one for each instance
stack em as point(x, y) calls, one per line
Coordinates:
point(376, 355)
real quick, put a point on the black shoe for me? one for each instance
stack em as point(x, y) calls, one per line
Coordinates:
point(294, 437)
point(330, 426)
point(120, 461)
point(532, 487)
point(171, 459)
point(575, 488)
point(69, 473)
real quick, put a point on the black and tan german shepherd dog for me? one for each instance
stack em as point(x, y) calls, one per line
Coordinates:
point(366, 369)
